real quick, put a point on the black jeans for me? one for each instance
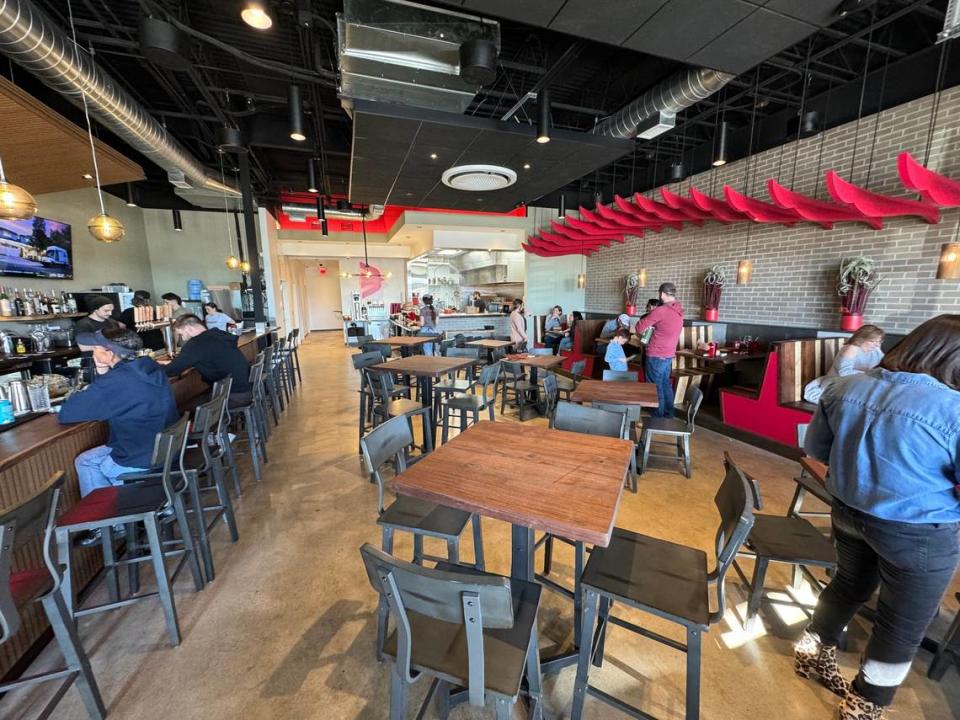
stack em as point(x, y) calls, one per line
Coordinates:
point(553, 342)
point(913, 564)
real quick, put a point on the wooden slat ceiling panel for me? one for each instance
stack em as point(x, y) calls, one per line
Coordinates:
point(44, 152)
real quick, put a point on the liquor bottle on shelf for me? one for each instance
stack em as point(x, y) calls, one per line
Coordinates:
point(21, 348)
point(6, 309)
point(28, 308)
point(55, 307)
point(17, 303)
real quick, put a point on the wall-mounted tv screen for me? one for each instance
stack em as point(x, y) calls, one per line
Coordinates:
point(38, 248)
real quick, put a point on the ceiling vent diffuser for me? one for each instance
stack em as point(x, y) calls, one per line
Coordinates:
point(479, 178)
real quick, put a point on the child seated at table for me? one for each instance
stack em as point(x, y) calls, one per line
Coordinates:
point(615, 357)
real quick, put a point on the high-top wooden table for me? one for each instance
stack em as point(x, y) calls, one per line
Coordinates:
point(406, 343)
point(563, 483)
point(535, 363)
point(621, 393)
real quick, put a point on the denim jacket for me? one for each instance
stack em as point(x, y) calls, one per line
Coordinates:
point(892, 440)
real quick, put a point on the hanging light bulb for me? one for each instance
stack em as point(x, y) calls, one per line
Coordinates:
point(256, 15)
point(296, 114)
point(232, 262)
point(311, 177)
point(949, 267)
point(543, 116)
point(582, 280)
point(642, 277)
point(15, 202)
point(744, 271)
point(105, 228)
point(721, 156)
point(245, 267)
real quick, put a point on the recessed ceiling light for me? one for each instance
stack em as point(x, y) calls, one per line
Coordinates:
point(256, 16)
point(433, 156)
point(526, 166)
point(87, 176)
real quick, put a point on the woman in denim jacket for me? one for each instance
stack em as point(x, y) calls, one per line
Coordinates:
point(891, 437)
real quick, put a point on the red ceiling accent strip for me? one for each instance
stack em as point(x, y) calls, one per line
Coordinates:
point(818, 210)
point(720, 209)
point(936, 188)
point(761, 211)
point(877, 205)
point(552, 253)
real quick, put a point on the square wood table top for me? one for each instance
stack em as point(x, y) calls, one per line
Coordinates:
point(406, 340)
point(559, 482)
point(537, 361)
point(622, 393)
point(487, 343)
point(424, 365)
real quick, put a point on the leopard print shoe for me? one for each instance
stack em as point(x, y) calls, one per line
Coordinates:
point(811, 659)
point(857, 707)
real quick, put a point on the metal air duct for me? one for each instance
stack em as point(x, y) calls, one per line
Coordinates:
point(32, 40)
point(655, 112)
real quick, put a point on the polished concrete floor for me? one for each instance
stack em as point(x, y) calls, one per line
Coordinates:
point(286, 630)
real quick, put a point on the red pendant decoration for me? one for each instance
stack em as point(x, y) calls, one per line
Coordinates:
point(877, 205)
point(818, 210)
point(935, 188)
point(719, 209)
point(761, 211)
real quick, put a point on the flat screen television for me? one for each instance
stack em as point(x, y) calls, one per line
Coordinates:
point(37, 248)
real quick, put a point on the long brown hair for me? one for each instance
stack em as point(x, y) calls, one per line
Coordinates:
point(866, 334)
point(932, 349)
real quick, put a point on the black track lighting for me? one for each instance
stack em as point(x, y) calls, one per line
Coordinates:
point(131, 202)
point(562, 206)
point(295, 107)
point(321, 212)
point(177, 221)
point(311, 176)
point(721, 157)
point(323, 228)
point(678, 171)
point(543, 116)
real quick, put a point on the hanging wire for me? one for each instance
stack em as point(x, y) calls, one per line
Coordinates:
point(938, 93)
point(803, 104)
point(863, 90)
point(748, 178)
point(226, 211)
point(876, 124)
point(713, 148)
point(86, 109)
point(823, 138)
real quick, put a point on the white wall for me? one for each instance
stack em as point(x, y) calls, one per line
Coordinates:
point(323, 295)
point(95, 263)
point(393, 290)
point(551, 281)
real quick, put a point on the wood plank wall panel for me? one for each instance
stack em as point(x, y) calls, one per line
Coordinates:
point(802, 361)
point(689, 338)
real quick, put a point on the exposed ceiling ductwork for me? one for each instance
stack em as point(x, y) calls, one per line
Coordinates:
point(655, 112)
point(32, 40)
point(408, 54)
point(301, 211)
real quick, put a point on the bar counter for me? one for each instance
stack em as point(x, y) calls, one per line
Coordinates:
point(30, 453)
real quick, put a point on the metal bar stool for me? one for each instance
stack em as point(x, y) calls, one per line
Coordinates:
point(295, 355)
point(19, 525)
point(673, 427)
point(148, 502)
point(224, 447)
point(270, 385)
point(251, 414)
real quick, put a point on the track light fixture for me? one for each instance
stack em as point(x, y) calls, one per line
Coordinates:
point(177, 221)
point(543, 116)
point(295, 106)
point(721, 157)
point(311, 176)
point(130, 201)
point(562, 206)
point(256, 15)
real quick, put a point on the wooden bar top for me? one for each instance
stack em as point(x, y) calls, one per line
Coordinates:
point(565, 483)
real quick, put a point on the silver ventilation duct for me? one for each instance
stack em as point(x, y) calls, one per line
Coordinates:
point(301, 211)
point(32, 40)
point(655, 112)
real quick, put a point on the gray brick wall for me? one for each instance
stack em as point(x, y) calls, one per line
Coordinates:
point(795, 268)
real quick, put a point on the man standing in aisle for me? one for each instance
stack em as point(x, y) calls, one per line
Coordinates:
point(667, 323)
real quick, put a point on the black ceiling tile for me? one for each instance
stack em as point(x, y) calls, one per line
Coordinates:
point(609, 21)
point(818, 12)
point(678, 29)
point(531, 12)
point(751, 41)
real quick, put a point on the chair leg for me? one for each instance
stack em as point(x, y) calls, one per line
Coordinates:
point(223, 499)
point(600, 641)
point(65, 630)
point(163, 582)
point(418, 549)
point(398, 693)
point(252, 439)
point(446, 425)
point(548, 555)
point(203, 539)
point(186, 537)
point(64, 556)
point(941, 661)
point(133, 548)
point(453, 550)
point(586, 650)
point(687, 459)
point(693, 673)
point(383, 611)
point(756, 589)
point(442, 694)
point(231, 462)
point(534, 676)
point(504, 709)
point(478, 563)
point(646, 452)
point(110, 564)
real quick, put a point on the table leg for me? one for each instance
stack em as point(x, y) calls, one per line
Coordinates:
point(523, 550)
point(426, 399)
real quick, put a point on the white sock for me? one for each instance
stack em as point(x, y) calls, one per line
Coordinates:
point(884, 674)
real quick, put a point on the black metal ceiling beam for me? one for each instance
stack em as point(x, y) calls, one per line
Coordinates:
point(569, 55)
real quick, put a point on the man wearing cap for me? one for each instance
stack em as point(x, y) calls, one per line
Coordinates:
point(621, 322)
point(667, 323)
point(133, 396)
point(100, 318)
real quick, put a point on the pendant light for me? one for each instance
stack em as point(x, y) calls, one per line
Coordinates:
point(104, 228)
point(244, 267)
point(642, 272)
point(582, 277)
point(232, 261)
point(322, 217)
point(949, 266)
point(131, 202)
point(256, 15)
point(721, 157)
point(296, 113)
point(177, 221)
point(15, 202)
point(311, 176)
point(562, 206)
point(543, 116)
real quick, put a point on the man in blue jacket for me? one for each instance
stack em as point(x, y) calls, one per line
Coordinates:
point(133, 396)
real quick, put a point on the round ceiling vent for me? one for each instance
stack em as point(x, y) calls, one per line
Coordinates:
point(479, 178)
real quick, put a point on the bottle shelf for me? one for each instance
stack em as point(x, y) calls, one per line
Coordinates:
point(39, 318)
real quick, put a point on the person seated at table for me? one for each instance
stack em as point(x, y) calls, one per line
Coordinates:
point(215, 318)
point(860, 353)
point(609, 329)
point(134, 398)
point(615, 357)
point(215, 355)
point(566, 343)
point(890, 436)
point(553, 329)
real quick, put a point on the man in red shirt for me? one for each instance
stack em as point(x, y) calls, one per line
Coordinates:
point(667, 323)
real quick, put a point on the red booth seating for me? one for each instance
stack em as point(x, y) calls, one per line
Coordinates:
point(777, 407)
point(584, 342)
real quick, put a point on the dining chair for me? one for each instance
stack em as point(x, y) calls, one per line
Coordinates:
point(473, 403)
point(388, 405)
point(786, 539)
point(621, 376)
point(147, 502)
point(462, 628)
point(632, 413)
point(514, 381)
point(679, 430)
point(567, 382)
point(391, 441)
point(664, 579)
point(29, 522)
point(947, 650)
point(549, 394)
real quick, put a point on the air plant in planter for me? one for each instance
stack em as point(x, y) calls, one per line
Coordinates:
point(856, 280)
point(712, 287)
point(631, 290)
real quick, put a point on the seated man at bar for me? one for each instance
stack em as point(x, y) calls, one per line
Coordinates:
point(215, 355)
point(133, 397)
point(667, 323)
point(175, 303)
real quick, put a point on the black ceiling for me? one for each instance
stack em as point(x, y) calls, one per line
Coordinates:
point(611, 50)
point(394, 163)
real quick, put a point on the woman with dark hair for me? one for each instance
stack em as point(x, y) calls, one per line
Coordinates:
point(570, 333)
point(518, 326)
point(892, 438)
point(215, 318)
point(428, 322)
point(860, 353)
